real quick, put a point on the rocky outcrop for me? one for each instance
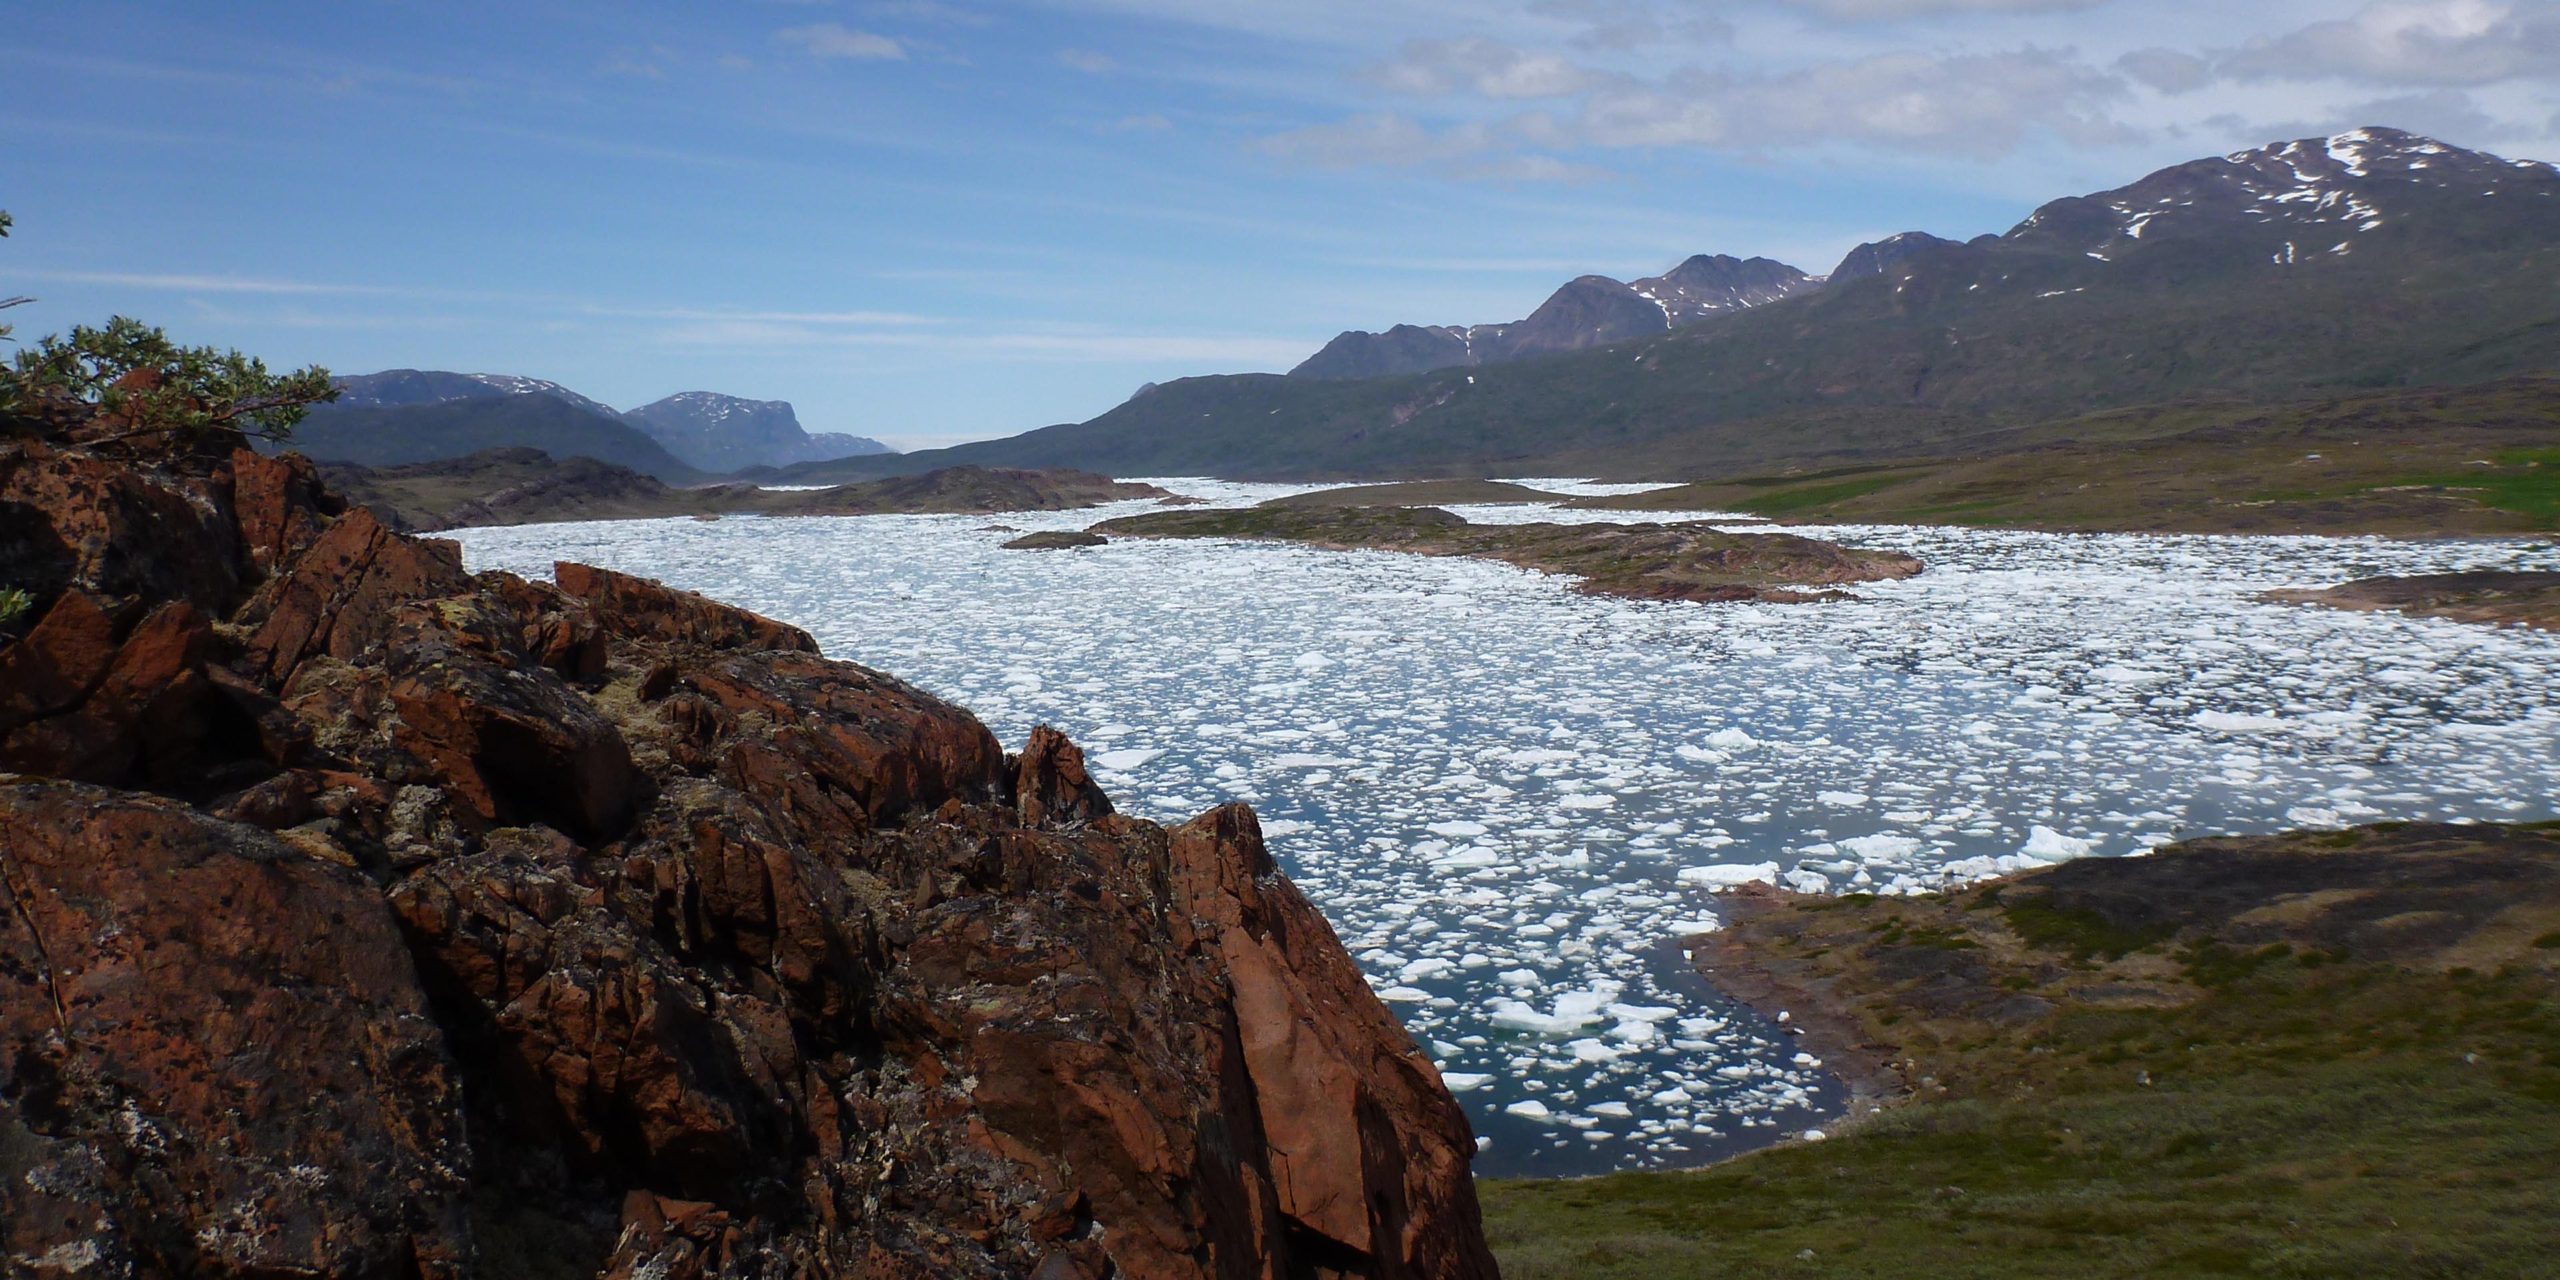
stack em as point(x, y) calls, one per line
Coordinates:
point(360, 916)
point(1692, 562)
point(2495, 597)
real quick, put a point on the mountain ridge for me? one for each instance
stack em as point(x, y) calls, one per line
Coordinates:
point(2176, 285)
point(703, 432)
point(1587, 311)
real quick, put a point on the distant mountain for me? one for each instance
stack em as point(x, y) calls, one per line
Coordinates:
point(2327, 266)
point(723, 434)
point(695, 432)
point(1878, 257)
point(401, 388)
point(371, 433)
point(1591, 311)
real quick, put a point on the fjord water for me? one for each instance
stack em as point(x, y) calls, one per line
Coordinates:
point(1492, 785)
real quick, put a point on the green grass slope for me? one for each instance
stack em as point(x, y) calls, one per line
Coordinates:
point(2301, 1056)
point(2462, 460)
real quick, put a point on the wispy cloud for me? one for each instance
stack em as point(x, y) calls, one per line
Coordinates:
point(2441, 43)
point(183, 283)
point(835, 40)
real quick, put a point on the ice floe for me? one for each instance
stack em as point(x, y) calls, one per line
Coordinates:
point(1510, 798)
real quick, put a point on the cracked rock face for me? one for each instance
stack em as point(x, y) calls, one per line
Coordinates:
point(363, 917)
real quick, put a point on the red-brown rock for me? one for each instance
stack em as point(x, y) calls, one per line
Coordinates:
point(604, 929)
point(280, 505)
point(1050, 784)
point(641, 608)
point(339, 598)
point(215, 1056)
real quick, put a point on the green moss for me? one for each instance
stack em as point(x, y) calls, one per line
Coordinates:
point(2082, 933)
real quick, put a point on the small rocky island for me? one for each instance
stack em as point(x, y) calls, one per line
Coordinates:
point(1695, 562)
point(369, 918)
point(528, 486)
point(2497, 597)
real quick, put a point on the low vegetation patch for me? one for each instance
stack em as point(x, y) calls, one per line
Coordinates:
point(2327, 1057)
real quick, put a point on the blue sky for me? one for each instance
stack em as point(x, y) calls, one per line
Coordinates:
point(930, 220)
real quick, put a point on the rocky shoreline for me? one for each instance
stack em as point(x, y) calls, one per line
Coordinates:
point(1892, 993)
point(370, 918)
point(2492, 597)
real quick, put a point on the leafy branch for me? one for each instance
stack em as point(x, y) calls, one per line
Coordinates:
point(130, 374)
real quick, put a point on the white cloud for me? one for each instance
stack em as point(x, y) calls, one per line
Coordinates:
point(2449, 114)
point(1087, 61)
point(836, 40)
point(1979, 105)
point(2444, 43)
point(1377, 139)
point(2167, 70)
point(1482, 67)
point(1632, 24)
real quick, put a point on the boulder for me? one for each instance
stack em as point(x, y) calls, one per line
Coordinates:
point(215, 1056)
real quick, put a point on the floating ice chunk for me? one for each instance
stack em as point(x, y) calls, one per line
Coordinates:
point(1730, 875)
point(1731, 740)
point(1131, 759)
point(1643, 1012)
point(1456, 830)
point(1881, 847)
point(2232, 722)
point(1613, 1110)
point(1464, 1081)
point(1529, 1109)
point(2045, 842)
point(1842, 799)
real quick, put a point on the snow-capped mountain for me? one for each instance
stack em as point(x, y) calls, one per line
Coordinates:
point(724, 433)
point(395, 388)
point(2291, 200)
point(2283, 205)
point(1712, 284)
point(1589, 311)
